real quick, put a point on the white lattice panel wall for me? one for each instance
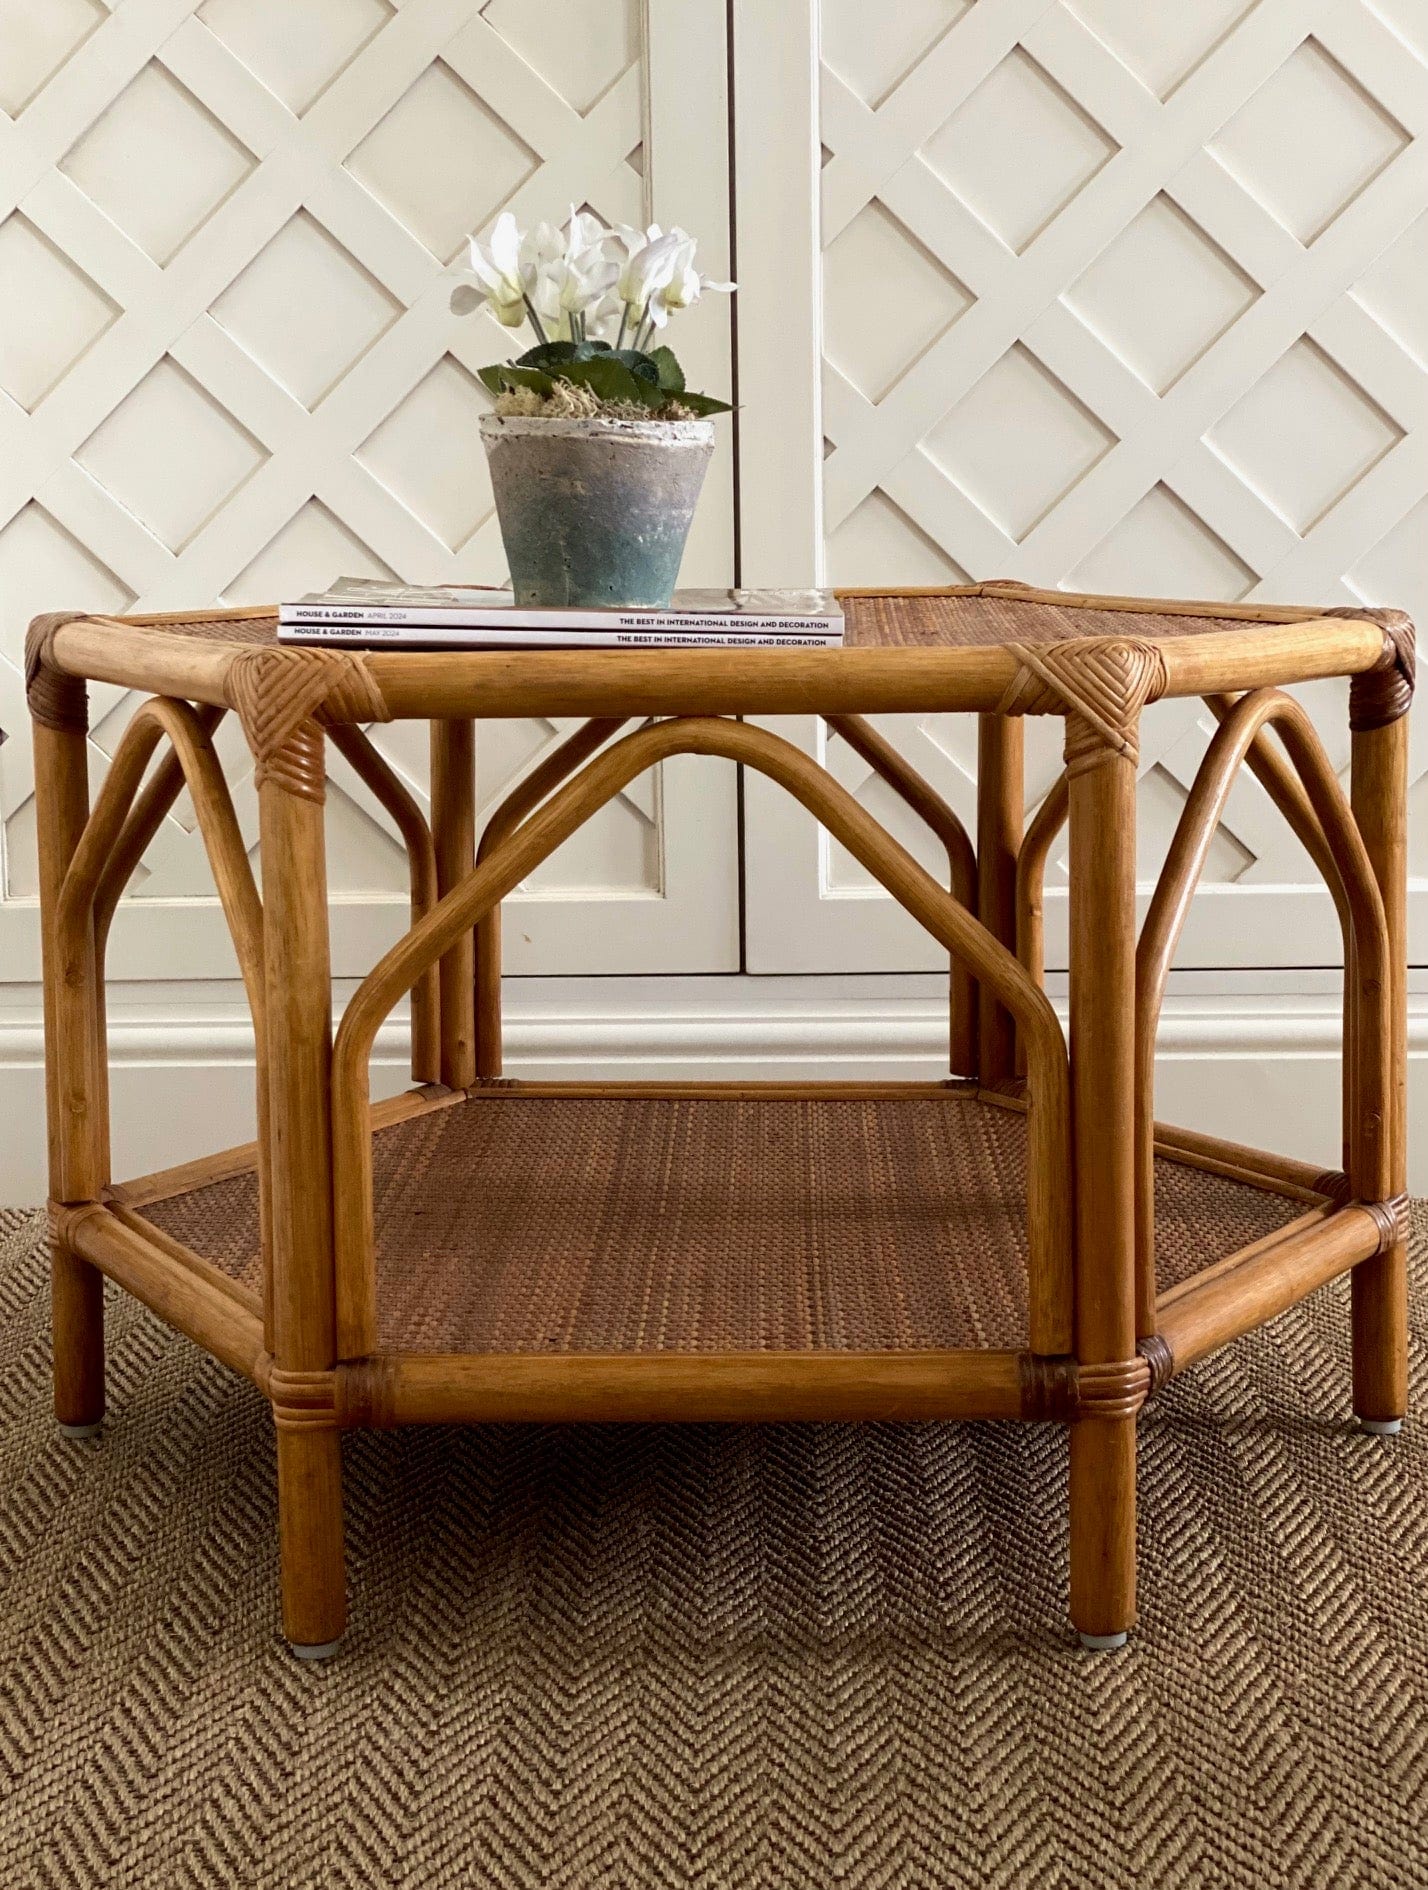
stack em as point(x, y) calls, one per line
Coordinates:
point(1124, 295)
point(229, 372)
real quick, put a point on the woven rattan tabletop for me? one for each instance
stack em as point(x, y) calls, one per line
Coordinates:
point(967, 617)
point(957, 648)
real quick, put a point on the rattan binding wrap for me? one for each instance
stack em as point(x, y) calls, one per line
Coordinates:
point(56, 700)
point(1379, 696)
point(515, 1223)
point(282, 696)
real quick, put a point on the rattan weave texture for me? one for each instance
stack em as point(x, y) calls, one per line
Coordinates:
point(989, 619)
point(527, 1224)
point(881, 621)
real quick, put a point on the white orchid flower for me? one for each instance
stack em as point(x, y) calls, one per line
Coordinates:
point(566, 288)
point(647, 269)
point(685, 285)
point(587, 238)
point(539, 246)
point(496, 265)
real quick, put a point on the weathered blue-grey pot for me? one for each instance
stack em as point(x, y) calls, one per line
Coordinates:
point(595, 512)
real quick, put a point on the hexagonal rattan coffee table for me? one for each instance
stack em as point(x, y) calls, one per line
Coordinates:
point(1018, 1240)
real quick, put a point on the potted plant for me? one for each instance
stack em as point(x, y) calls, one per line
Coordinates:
point(597, 447)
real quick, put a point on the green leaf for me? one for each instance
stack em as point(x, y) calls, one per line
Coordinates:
point(638, 363)
point(490, 377)
point(547, 354)
point(554, 354)
point(703, 403)
point(609, 379)
point(671, 374)
point(509, 374)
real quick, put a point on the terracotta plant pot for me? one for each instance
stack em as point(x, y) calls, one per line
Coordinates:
point(595, 512)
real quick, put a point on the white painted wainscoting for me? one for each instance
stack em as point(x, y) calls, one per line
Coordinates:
point(1254, 1057)
point(1122, 293)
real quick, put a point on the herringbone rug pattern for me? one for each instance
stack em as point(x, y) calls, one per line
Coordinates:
point(709, 1657)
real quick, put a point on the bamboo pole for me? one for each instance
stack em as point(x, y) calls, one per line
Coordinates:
point(924, 800)
point(1102, 808)
point(521, 802)
point(187, 1297)
point(1326, 822)
point(1246, 1290)
point(1380, 1285)
point(673, 1387)
point(453, 826)
point(302, 1338)
point(1000, 816)
point(77, 1153)
point(393, 793)
point(1030, 891)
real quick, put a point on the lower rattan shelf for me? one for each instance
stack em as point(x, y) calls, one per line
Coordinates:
point(510, 1222)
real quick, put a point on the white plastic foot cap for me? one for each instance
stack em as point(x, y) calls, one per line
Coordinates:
point(1381, 1426)
point(314, 1650)
point(80, 1430)
point(1103, 1643)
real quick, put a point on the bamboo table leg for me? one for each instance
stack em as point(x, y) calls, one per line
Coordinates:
point(453, 831)
point(303, 1298)
point(1103, 1443)
point(1000, 816)
point(73, 1036)
point(1380, 1285)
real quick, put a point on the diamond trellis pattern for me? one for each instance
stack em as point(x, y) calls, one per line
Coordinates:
point(51, 312)
point(170, 454)
point(157, 162)
point(1018, 150)
point(1161, 41)
point(441, 160)
point(1309, 141)
point(296, 47)
point(1303, 435)
point(1188, 354)
point(305, 267)
point(228, 370)
point(1161, 293)
point(35, 41)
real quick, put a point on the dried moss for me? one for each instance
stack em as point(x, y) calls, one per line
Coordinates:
point(569, 401)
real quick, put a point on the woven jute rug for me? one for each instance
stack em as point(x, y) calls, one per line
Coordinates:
point(709, 1657)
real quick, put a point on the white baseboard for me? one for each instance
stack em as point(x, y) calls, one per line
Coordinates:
point(1252, 1055)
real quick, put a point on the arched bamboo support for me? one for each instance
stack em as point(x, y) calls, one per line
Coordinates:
point(124, 819)
point(1048, 1125)
point(378, 774)
point(1340, 854)
point(1271, 768)
point(1036, 845)
point(924, 800)
point(151, 807)
point(522, 801)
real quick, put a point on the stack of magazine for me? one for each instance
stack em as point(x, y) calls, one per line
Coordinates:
point(361, 611)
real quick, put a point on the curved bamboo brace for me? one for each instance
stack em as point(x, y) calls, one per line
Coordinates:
point(522, 801)
point(1271, 768)
point(119, 817)
point(1275, 774)
point(1048, 1124)
point(1031, 859)
point(924, 800)
point(1340, 853)
point(147, 815)
point(378, 774)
